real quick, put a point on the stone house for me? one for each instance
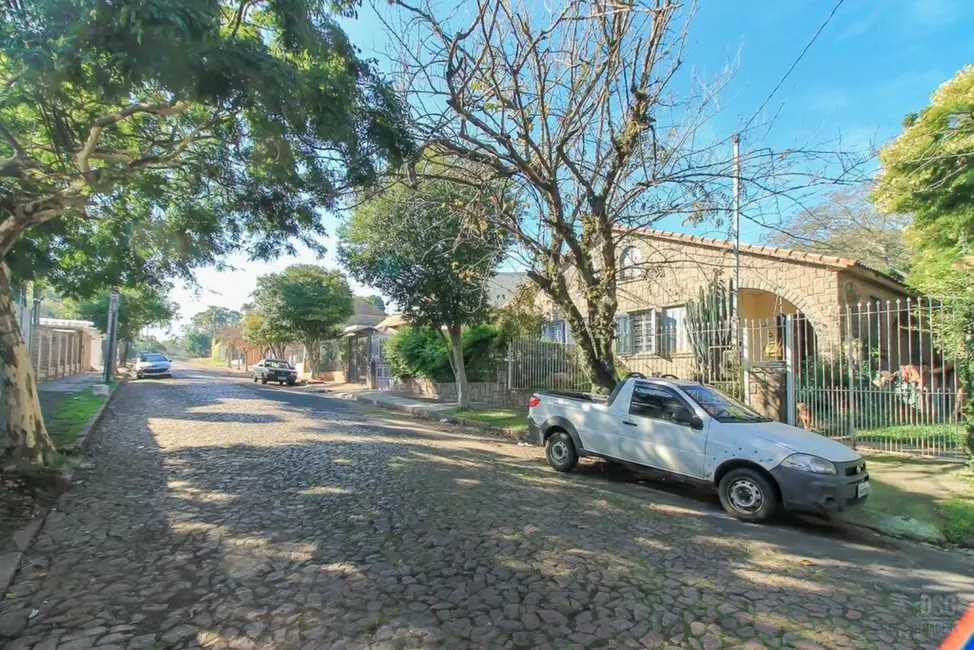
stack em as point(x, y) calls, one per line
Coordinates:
point(661, 272)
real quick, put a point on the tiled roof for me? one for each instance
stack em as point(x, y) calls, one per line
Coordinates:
point(806, 257)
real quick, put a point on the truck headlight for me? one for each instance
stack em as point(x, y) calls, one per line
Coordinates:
point(809, 463)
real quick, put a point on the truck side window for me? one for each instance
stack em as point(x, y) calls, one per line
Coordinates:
point(656, 403)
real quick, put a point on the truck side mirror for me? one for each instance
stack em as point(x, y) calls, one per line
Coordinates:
point(683, 415)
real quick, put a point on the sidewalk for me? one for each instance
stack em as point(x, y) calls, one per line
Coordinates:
point(423, 408)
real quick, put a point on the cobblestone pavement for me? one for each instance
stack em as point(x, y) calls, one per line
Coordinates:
point(221, 515)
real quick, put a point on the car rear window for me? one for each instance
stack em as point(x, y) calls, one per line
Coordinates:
point(277, 364)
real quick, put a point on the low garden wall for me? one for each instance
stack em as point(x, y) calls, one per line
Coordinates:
point(481, 392)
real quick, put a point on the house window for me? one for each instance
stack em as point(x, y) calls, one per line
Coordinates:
point(643, 331)
point(630, 263)
point(673, 330)
point(555, 331)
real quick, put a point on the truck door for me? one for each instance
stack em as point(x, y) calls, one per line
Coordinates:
point(648, 434)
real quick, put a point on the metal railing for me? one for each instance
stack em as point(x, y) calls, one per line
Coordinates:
point(881, 378)
point(540, 364)
point(876, 374)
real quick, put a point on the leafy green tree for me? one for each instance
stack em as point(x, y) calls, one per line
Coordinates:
point(308, 302)
point(198, 344)
point(212, 319)
point(928, 172)
point(377, 301)
point(137, 309)
point(431, 250)
point(265, 335)
point(141, 139)
point(150, 344)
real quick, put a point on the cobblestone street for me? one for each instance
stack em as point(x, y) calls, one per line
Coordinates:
point(220, 514)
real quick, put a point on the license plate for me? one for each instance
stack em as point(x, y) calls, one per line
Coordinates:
point(862, 489)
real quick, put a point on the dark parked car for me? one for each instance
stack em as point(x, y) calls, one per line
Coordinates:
point(275, 370)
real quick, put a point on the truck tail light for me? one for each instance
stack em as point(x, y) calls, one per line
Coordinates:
point(534, 401)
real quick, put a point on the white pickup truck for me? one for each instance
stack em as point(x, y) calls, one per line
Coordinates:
point(689, 429)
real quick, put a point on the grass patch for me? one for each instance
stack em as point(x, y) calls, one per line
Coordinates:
point(498, 416)
point(958, 514)
point(915, 495)
point(942, 434)
point(70, 416)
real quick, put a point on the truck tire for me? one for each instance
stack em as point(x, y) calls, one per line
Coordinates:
point(560, 452)
point(747, 495)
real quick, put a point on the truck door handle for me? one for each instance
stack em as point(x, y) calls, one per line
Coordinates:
point(630, 423)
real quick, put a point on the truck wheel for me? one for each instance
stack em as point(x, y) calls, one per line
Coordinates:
point(255, 379)
point(746, 494)
point(263, 381)
point(560, 452)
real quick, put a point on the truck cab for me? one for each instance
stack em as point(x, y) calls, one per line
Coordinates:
point(694, 431)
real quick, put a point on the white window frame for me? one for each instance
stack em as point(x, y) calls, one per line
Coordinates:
point(677, 340)
point(644, 331)
point(629, 263)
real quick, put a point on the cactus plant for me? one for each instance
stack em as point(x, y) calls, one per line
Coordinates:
point(710, 326)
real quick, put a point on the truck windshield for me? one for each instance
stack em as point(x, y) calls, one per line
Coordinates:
point(721, 407)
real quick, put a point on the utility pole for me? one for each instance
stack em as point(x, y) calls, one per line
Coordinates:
point(111, 326)
point(736, 296)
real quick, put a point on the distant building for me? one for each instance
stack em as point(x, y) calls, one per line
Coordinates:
point(365, 314)
point(502, 287)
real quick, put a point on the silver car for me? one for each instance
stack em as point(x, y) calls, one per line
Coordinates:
point(152, 364)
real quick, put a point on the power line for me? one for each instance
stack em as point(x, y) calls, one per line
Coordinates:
point(767, 99)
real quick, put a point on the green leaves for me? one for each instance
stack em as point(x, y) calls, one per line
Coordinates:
point(304, 302)
point(428, 249)
point(928, 171)
point(263, 116)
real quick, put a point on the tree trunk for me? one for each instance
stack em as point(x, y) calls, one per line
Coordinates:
point(26, 436)
point(595, 337)
point(311, 357)
point(459, 369)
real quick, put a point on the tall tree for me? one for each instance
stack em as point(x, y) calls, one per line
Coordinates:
point(431, 250)
point(231, 338)
point(137, 309)
point(928, 172)
point(203, 126)
point(579, 110)
point(309, 302)
point(265, 334)
point(198, 344)
point(213, 319)
point(846, 224)
point(374, 300)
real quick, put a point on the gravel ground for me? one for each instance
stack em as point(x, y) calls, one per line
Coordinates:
point(222, 515)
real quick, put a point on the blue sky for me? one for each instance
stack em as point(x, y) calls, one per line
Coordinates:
point(876, 61)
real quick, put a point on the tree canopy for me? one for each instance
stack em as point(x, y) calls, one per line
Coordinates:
point(213, 319)
point(374, 300)
point(928, 172)
point(306, 303)
point(137, 309)
point(211, 123)
point(431, 248)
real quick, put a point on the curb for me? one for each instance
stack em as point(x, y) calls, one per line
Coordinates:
point(433, 415)
point(24, 538)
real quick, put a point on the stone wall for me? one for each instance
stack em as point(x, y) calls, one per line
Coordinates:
point(481, 392)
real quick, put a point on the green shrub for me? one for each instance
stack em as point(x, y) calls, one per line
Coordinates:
point(421, 352)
